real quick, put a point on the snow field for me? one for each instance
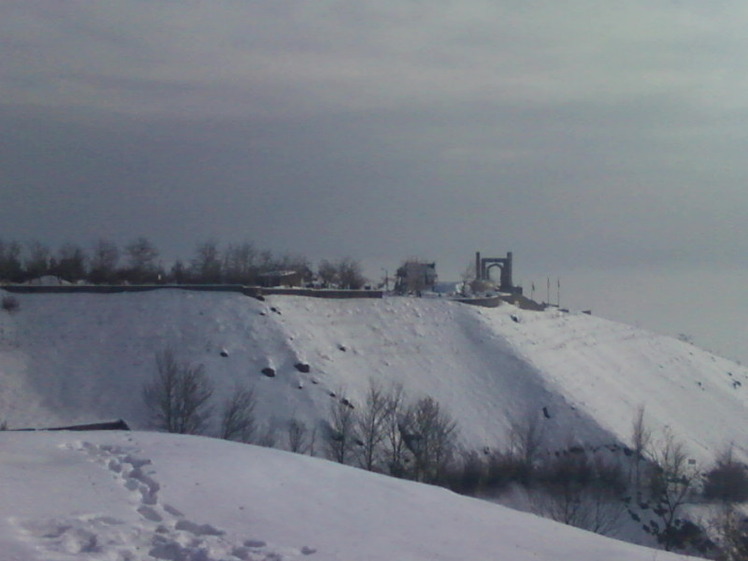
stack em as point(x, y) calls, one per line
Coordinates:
point(113, 496)
point(80, 358)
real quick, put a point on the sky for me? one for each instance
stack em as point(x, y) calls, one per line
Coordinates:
point(602, 143)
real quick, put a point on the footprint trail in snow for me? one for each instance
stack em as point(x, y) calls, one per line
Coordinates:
point(162, 532)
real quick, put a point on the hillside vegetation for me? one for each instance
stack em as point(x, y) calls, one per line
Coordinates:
point(84, 357)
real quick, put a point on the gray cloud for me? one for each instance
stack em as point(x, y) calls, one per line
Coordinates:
point(567, 132)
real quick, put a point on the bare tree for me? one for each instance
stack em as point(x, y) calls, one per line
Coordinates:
point(266, 262)
point(239, 263)
point(345, 273)
point(641, 438)
point(10, 261)
point(432, 440)
point(526, 438)
point(671, 488)
point(341, 435)
point(206, 266)
point(178, 396)
point(592, 508)
point(311, 448)
point(238, 419)
point(328, 273)
point(179, 273)
point(297, 436)
point(583, 493)
point(103, 264)
point(142, 255)
point(397, 419)
point(71, 263)
point(371, 425)
point(37, 261)
point(349, 274)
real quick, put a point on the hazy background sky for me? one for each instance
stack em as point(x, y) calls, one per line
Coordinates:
point(605, 144)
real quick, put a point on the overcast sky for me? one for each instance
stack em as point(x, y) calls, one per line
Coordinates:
point(588, 137)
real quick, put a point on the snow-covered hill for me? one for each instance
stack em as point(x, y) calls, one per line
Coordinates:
point(144, 496)
point(67, 358)
point(76, 358)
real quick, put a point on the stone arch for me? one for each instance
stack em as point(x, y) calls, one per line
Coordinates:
point(484, 265)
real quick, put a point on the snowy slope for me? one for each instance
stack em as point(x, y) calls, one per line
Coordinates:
point(609, 369)
point(139, 496)
point(68, 358)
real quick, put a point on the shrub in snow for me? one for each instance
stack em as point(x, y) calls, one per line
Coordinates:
point(469, 477)
point(10, 303)
point(583, 469)
point(506, 468)
point(302, 367)
point(582, 490)
point(269, 372)
point(682, 534)
point(590, 507)
point(731, 534)
point(727, 482)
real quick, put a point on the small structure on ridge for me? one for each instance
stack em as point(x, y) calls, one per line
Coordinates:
point(415, 277)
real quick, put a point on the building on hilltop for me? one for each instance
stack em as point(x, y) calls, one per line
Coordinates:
point(415, 277)
point(280, 278)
